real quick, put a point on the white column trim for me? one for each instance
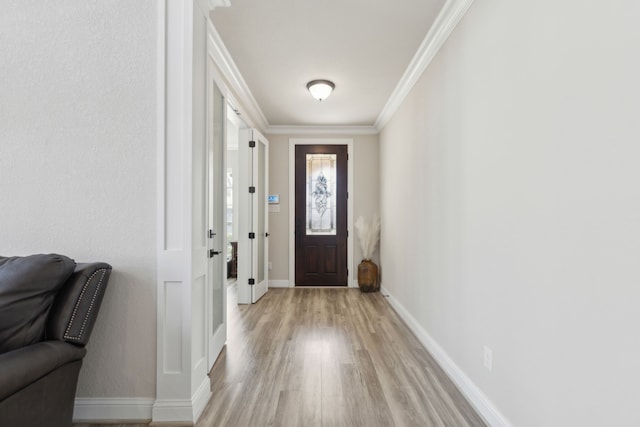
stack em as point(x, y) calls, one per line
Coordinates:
point(174, 203)
point(179, 392)
point(292, 210)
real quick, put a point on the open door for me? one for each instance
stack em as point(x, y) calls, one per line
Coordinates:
point(253, 247)
point(216, 236)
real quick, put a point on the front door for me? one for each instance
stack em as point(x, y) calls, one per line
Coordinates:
point(321, 215)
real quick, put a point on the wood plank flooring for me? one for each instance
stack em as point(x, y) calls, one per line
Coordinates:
point(327, 357)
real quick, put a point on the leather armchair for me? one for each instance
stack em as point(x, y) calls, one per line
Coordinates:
point(41, 355)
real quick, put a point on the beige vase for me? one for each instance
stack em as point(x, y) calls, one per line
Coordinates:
point(368, 276)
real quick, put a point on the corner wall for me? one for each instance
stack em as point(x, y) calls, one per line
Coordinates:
point(78, 165)
point(510, 206)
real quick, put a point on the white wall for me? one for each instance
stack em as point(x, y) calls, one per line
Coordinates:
point(511, 205)
point(365, 201)
point(78, 165)
point(366, 197)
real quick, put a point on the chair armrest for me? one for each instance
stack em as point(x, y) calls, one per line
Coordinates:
point(21, 367)
point(76, 306)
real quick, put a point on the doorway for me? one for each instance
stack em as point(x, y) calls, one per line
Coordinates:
point(321, 213)
point(234, 126)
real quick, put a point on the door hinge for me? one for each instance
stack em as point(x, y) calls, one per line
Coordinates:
point(211, 234)
point(252, 144)
point(252, 189)
point(252, 281)
point(252, 235)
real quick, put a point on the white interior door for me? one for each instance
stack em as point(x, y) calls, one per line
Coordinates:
point(253, 246)
point(260, 256)
point(216, 233)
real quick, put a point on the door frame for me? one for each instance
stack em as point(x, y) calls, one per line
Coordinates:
point(351, 282)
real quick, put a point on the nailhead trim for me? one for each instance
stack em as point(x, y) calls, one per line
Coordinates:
point(75, 309)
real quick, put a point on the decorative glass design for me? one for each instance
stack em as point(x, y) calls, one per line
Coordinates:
point(321, 190)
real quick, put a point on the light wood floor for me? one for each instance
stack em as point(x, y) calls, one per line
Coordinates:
point(327, 357)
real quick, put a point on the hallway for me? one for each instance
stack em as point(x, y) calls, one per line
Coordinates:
point(327, 357)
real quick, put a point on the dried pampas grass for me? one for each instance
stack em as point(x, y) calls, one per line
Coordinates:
point(368, 234)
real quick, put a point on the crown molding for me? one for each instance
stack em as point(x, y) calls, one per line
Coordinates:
point(230, 72)
point(446, 21)
point(208, 5)
point(448, 18)
point(320, 130)
point(218, 3)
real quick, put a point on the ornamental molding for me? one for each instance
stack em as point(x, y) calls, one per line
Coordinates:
point(218, 3)
point(446, 21)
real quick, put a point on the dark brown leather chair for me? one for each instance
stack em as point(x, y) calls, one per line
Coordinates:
point(48, 306)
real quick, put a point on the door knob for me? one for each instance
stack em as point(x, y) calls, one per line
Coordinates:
point(213, 253)
point(266, 234)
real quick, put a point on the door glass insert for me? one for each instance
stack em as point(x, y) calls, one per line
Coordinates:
point(321, 190)
point(217, 314)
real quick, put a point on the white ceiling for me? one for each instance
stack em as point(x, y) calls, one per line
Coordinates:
point(363, 46)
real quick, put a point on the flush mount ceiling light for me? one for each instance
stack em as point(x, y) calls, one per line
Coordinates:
point(320, 89)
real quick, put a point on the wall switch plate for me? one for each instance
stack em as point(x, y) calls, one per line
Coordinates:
point(488, 358)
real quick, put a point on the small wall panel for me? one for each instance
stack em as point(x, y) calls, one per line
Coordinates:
point(198, 318)
point(172, 328)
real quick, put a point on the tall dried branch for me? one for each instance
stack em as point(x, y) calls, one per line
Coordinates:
point(368, 234)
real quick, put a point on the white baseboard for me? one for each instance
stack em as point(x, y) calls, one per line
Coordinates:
point(279, 284)
point(201, 397)
point(182, 410)
point(476, 397)
point(167, 410)
point(112, 410)
point(287, 284)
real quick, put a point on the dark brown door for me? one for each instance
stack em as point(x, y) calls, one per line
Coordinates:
point(321, 215)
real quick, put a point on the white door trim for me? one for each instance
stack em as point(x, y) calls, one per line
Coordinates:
point(292, 196)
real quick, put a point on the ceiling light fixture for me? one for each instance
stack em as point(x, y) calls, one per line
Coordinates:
point(320, 89)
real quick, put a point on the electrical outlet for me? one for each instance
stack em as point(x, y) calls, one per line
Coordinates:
point(488, 358)
point(270, 265)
